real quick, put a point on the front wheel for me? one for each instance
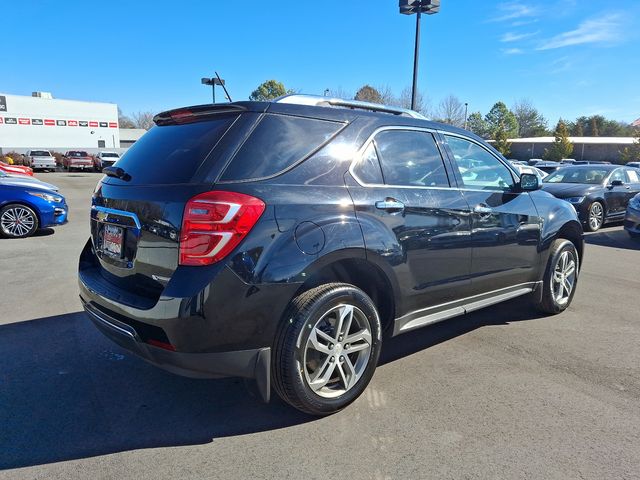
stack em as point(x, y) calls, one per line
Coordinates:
point(17, 221)
point(595, 217)
point(327, 348)
point(560, 278)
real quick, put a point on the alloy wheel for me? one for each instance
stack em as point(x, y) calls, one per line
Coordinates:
point(17, 221)
point(596, 216)
point(337, 351)
point(564, 278)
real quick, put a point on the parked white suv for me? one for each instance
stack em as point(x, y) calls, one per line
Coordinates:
point(106, 159)
point(40, 160)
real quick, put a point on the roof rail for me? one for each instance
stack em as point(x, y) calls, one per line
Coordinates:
point(317, 100)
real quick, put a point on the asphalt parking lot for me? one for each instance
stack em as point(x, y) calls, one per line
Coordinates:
point(501, 393)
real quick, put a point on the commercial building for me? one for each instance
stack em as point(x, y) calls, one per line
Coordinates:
point(41, 121)
point(584, 148)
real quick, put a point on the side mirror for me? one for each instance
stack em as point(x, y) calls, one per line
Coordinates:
point(617, 183)
point(529, 182)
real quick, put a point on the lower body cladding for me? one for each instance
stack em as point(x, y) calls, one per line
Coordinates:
point(632, 221)
point(224, 331)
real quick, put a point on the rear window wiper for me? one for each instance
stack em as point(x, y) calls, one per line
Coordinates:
point(116, 172)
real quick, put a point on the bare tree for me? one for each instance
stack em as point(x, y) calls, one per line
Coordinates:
point(451, 111)
point(339, 93)
point(388, 98)
point(143, 120)
point(422, 104)
point(124, 121)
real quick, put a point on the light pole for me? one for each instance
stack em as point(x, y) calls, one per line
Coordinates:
point(213, 81)
point(466, 109)
point(326, 92)
point(409, 7)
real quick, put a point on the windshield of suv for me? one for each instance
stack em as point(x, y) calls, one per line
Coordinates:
point(40, 153)
point(591, 176)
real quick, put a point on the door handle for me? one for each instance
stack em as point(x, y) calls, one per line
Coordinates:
point(483, 209)
point(390, 204)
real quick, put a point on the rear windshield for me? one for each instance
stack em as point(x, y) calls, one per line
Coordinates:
point(40, 153)
point(110, 155)
point(78, 154)
point(172, 153)
point(277, 143)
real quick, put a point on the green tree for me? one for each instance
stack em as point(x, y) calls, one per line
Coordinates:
point(502, 143)
point(477, 125)
point(562, 147)
point(595, 131)
point(631, 153)
point(531, 123)
point(268, 91)
point(501, 117)
point(368, 94)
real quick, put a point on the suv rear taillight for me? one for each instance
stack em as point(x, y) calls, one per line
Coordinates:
point(214, 223)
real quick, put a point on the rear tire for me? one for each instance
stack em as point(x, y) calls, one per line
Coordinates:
point(560, 278)
point(327, 348)
point(17, 221)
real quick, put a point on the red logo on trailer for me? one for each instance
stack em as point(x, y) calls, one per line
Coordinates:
point(72, 123)
point(113, 125)
point(49, 122)
point(93, 124)
point(1, 120)
point(24, 121)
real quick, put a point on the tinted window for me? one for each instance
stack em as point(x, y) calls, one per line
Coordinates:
point(172, 153)
point(479, 168)
point(368, 167)
point(410, 158)
point(589, 175)
point(277, 143)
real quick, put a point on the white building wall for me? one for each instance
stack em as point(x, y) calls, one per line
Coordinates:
point(32, 122)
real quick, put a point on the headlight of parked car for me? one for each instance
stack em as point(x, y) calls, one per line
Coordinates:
point(635, 203)
point(575, 199)
point(47, 196)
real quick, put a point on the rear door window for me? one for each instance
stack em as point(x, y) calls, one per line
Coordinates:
point(410, 158)
point(171, 154)
point(276, 144)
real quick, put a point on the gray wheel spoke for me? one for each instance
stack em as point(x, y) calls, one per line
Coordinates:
point(315, 342)
point(570, 269)
point(344, 320)
point(323, 375)
point(359, 340)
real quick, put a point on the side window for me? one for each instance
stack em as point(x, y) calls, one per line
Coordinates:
point(479, 168)
point(410, 158)
point(633, 177)
point(617, 174)
point(368, 168)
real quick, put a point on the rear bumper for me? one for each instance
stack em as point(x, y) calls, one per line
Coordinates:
point(254, 363)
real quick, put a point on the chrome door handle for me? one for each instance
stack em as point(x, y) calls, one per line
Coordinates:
point(482, 209)
point(389, 204)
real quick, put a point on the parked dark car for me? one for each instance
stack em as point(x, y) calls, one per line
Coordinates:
point(632, 217)
point(599, 193)
point(27, 205)
point(548, 167)
point(278, 241)
point(633, 164)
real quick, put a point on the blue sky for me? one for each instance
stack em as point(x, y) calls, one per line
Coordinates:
point(569, 57)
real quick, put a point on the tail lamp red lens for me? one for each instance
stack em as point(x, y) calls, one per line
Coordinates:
point(214, 223)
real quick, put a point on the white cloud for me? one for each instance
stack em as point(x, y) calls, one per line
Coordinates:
point(602, 30)
point(514, 37)
point(513, 11)
point(512, 51)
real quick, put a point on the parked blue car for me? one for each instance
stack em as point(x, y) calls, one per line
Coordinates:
point(25, 209)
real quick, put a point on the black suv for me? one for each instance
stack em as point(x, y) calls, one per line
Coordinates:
point(282, 241)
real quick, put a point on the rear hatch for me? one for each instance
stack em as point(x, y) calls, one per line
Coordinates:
point(136, 217)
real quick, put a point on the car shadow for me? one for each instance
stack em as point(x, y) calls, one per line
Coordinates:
point(66, 392)
point(41, 232)
point(617, 238)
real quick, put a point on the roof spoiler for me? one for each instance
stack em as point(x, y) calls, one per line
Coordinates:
point(196, 113)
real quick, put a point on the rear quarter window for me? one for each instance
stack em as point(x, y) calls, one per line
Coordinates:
point(276, 144)
point(171, 154)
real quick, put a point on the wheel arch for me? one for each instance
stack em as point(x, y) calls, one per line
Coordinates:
point(362, 274)
point(24, 203)
point(573, 232)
